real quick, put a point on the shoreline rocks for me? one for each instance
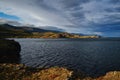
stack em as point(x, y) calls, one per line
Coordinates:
point(9, 50)
point(22, 72)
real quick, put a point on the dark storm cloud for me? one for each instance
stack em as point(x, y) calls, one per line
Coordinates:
point(52, 28)
point(72, 3)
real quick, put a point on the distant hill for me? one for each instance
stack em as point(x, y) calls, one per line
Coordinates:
point(9, 31)
point(25, 28)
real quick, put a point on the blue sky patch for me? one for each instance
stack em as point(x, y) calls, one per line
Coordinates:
point(10, 17)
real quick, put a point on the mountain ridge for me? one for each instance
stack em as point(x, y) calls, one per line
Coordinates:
point(9, 31)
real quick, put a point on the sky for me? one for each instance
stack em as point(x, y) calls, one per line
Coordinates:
point(101, 17)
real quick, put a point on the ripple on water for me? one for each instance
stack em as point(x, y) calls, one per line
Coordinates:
point(90, 56)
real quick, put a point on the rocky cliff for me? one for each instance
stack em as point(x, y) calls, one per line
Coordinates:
point(9, 50)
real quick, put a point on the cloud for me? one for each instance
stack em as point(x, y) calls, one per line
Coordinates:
point(11, 22)
point(52, 28)
point(33, 12)
point(79, 16)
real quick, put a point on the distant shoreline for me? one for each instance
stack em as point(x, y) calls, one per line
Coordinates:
point(9, 31)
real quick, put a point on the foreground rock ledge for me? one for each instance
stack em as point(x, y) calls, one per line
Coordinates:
point(22, 72)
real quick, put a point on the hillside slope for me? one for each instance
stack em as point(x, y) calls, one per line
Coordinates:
point(9, 31)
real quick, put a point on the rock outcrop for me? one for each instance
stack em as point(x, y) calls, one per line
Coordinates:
point(9, 50)
point(22, 72)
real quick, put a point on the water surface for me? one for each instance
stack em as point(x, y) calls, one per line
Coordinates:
point(91, 56)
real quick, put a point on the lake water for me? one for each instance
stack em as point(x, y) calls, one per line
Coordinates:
point(91, 56)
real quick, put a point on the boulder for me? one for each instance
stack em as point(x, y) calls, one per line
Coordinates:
point(9, 50)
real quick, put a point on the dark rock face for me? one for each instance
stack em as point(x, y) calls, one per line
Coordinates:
point(9, 51)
